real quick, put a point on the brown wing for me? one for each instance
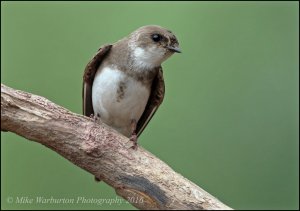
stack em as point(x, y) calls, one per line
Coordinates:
point(156, 97)
point(88, 78)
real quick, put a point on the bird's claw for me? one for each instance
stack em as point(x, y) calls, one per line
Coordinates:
point(96, 118)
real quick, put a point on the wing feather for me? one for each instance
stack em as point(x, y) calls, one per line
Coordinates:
point(156, 97)
point(88, 78)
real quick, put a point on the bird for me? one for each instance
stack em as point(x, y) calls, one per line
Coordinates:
point(123, 83)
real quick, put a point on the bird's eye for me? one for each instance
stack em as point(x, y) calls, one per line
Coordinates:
point(156, 37)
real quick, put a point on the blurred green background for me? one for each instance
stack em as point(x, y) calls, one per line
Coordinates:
point(229, 121)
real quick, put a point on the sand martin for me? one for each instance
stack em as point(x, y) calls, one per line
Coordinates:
point(123, 83)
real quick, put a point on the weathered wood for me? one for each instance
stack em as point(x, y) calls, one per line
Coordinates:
point(136, 175)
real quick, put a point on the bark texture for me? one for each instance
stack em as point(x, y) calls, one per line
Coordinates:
point(136, 175)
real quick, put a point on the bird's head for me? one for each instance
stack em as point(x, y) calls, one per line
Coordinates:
point(151, 45)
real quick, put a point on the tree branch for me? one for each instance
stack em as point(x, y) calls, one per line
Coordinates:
point(136, 175)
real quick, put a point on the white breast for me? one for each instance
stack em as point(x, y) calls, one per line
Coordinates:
point(115, 111)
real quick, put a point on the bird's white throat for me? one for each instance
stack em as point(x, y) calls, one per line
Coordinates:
point(148, 58)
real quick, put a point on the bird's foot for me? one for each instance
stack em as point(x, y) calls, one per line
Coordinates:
point(134, 139)
point(96, 118)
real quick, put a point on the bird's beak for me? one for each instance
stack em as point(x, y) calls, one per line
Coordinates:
point(174, 49)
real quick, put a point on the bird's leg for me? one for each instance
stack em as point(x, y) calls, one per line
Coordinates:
point(133, 136)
